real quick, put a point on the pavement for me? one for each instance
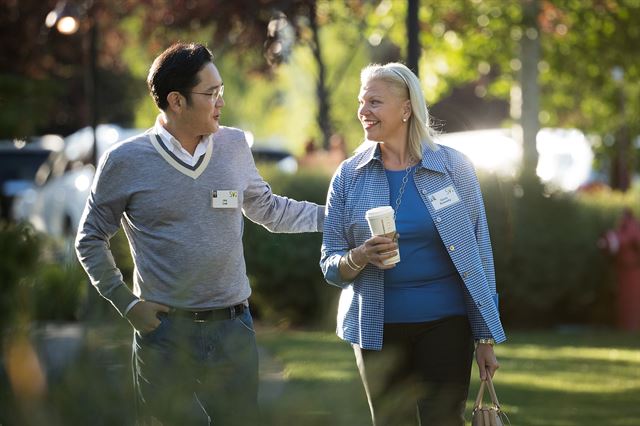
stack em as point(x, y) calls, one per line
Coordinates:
point(59, 345)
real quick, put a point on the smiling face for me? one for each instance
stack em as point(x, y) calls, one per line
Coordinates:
point(202, 114)
point(381, 111)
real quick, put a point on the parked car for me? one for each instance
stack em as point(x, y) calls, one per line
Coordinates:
point(270, 152)
point(282, 158)
point(55, 204)
point(19, 163)
point(565, 156)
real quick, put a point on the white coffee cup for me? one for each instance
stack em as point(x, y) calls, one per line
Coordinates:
point(381, 222)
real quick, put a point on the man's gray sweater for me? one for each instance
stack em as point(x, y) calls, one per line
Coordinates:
point(187, 254)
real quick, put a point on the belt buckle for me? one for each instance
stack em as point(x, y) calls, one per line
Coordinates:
point(197, 317)
point(238, 310)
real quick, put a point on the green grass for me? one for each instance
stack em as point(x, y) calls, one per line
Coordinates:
point(322, 385)
point(546, 379)
point(310, 379)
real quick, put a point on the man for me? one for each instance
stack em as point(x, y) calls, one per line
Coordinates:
point(180, 190)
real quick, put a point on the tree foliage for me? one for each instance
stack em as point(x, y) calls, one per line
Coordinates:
point(582, 42)
point(43, 75)
point(465, 42)
point(586, 44)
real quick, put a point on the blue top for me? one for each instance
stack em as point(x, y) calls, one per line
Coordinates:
point(449, 189)
point(425, 285)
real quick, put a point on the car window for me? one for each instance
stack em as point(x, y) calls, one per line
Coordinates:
point(21, 165)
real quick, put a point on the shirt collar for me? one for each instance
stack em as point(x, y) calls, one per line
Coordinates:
point(172, 143)
point(431, 159)
point(370, 152)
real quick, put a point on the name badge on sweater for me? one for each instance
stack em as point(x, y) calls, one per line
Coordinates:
point(224, 199)
point(444, 198)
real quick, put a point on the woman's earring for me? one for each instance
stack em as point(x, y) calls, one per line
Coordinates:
point(404, 120)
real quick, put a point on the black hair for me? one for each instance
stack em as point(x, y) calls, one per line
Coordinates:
point(176, 70)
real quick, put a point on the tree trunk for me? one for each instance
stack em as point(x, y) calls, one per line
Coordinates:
point(93, 93)
point(413, 31)
point(324, 121)
point(530, 56)
point(622, 161)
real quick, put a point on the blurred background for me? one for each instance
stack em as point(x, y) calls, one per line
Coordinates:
point(542, 95)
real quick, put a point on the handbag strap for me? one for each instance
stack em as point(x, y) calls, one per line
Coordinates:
point(478, 403)
point(492, 393)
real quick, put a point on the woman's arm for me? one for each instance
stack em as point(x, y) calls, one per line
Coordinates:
point(334, 240)
point(339, 262)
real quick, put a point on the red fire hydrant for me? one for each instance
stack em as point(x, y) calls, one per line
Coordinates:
point(624, 244)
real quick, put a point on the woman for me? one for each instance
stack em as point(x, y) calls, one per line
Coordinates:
point(412, 325)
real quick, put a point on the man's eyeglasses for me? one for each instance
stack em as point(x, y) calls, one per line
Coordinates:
point(215, 95)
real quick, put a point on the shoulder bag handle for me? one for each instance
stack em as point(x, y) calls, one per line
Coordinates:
point(492, 393)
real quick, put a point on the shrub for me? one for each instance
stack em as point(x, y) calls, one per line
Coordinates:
point(19, 246)
point(58, 292)
point(549, 269)
point(39, 282)
point(284, 269)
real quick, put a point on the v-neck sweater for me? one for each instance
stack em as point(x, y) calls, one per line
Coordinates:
point(175, 148)
point(186, 253)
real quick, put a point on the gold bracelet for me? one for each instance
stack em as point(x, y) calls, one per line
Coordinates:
point(346, 261)
point(485, 341)
point(350, 255)
point(352, 264)
point(349, 264)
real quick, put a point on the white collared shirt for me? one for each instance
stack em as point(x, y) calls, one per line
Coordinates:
point(173, 145)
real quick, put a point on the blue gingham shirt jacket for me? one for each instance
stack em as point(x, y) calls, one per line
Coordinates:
point(360, 184)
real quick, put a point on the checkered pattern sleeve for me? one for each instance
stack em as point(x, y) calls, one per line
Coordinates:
point(334, 241)
point(466, 179)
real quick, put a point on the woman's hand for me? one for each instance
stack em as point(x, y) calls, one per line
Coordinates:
point(487, 361)
point(376, 250)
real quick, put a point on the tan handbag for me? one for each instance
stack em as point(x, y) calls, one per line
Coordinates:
point(490, 415)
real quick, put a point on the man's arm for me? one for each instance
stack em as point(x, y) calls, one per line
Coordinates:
point(99, 222)
point(275, 212)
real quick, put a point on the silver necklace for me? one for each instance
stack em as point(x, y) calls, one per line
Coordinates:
point(405, 179)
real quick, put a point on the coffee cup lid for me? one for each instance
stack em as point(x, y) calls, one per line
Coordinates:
point(379, 211)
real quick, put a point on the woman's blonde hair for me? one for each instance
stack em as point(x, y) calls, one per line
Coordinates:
point(403, 79)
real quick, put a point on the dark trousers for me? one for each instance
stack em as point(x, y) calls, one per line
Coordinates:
point(421, 375)
point(197, 373)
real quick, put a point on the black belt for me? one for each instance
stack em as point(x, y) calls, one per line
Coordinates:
point(211, 314)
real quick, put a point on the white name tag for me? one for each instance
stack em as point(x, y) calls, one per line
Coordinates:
point(444, 198)
point(224, 199)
